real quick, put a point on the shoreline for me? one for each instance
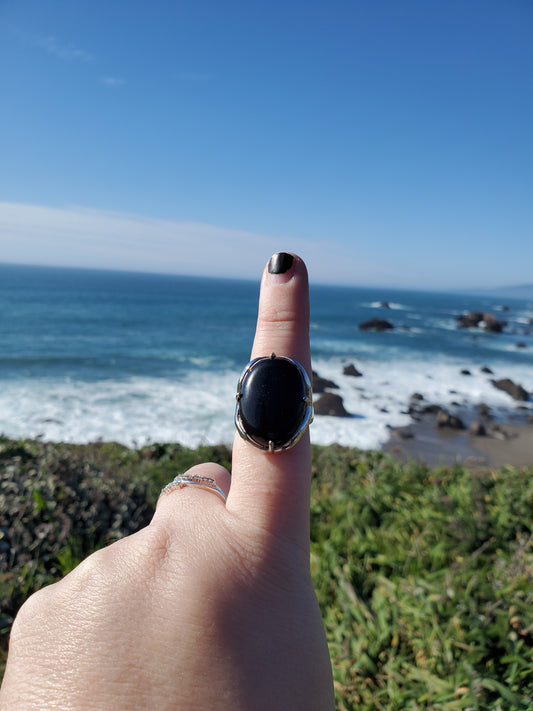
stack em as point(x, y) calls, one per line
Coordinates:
point(509, 443)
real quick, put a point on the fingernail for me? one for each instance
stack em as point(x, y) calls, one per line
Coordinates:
point(280, 263)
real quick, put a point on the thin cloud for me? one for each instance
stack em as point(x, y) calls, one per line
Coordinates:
point(66, 52)
point(81, 237)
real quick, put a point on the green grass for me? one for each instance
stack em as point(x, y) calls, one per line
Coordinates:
point(424, 576)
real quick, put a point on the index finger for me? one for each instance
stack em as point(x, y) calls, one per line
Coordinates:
point(273, 488)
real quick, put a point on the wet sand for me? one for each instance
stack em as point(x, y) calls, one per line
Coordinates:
point(511, 444)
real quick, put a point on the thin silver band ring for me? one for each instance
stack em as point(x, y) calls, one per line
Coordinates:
point(202, 482)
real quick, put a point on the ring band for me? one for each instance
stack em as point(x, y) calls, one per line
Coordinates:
point(274, 403)
point(202, 482)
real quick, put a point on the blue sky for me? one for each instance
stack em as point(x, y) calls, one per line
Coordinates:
point(388, 142)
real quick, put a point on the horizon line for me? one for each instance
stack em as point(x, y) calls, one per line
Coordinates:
point(496, 291)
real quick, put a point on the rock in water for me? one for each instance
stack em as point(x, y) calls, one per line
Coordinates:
point(477, 429)
point(476, 318)
point(490, 323)
point(321, 384)
point(330, 404)
point(352, 370)
point(444, 419)
point(469, 320)
point(376, 324)
point(515, 390)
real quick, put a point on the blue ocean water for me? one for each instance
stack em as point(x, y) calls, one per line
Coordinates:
point(136, 358)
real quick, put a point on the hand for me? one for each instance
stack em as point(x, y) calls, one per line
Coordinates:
point(210, 607)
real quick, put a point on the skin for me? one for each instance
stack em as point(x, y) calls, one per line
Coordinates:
point(211, 606)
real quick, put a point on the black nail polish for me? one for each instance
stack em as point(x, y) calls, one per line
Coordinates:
point(280, 263)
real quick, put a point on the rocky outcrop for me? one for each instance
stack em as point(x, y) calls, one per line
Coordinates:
point(491, 323)
point(430, 409)
point(475, 319)
point(469, 320)
point(498, 432)
point(376, 324)
point(352, 370)
point(445, 419)
point(477, 429)
point(403, 432)
point(320, 385)
point(515, 390)
point(484, 411)
point(330, 404)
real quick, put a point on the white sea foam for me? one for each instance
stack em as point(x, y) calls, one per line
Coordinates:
point(439, 382)
point(386, 304)
point(199, 409)
point(135, 411)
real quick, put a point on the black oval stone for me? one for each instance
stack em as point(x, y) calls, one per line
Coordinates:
point(272, 407)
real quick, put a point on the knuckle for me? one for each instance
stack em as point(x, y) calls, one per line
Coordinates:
point(30, 615)
point(277, 314)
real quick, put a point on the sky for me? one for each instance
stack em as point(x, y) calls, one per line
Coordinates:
point(387, 142)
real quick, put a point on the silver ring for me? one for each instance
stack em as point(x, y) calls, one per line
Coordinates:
point(202, 482)
point(274, 403)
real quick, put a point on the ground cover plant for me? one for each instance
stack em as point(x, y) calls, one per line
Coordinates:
point(424, 576)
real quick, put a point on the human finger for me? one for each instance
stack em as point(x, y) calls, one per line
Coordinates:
point(208, 480)
point(272, 489)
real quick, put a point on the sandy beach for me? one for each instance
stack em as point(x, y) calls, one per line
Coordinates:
point(510, 443)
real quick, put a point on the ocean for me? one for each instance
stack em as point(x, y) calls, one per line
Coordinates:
point(137, 358)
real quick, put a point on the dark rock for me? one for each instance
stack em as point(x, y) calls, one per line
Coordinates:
point(376, 324)
point(403, 432)
point(320, 384)
point(352, 370)
point(431, 410)
point(490, 323)
point(330, 404)
point(473, 319)
point(515, 390)
point(484, 411)
point(521, 344)
point(465, 371)
point(477, 429)
point(384, 305)
point(416, 404)
point(469, 320)
point(497, 432)
point(444, 419)
point(486, 369)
